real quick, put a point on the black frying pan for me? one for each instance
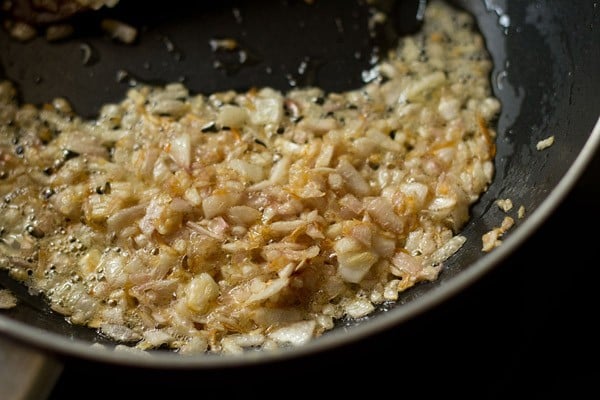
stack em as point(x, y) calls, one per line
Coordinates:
point(547, 59)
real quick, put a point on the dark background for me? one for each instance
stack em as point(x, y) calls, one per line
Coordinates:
point(528, 329)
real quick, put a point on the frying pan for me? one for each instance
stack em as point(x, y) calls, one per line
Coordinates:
point(547, 58)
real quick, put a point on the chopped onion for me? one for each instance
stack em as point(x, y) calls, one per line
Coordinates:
point(295, 334)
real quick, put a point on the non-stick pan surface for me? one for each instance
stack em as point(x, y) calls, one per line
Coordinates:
point(546, 56)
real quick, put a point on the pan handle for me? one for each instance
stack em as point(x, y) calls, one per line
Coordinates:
point(26, 373)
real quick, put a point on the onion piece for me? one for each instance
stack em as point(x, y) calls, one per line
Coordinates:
point(7, 299)
point(295, 334)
